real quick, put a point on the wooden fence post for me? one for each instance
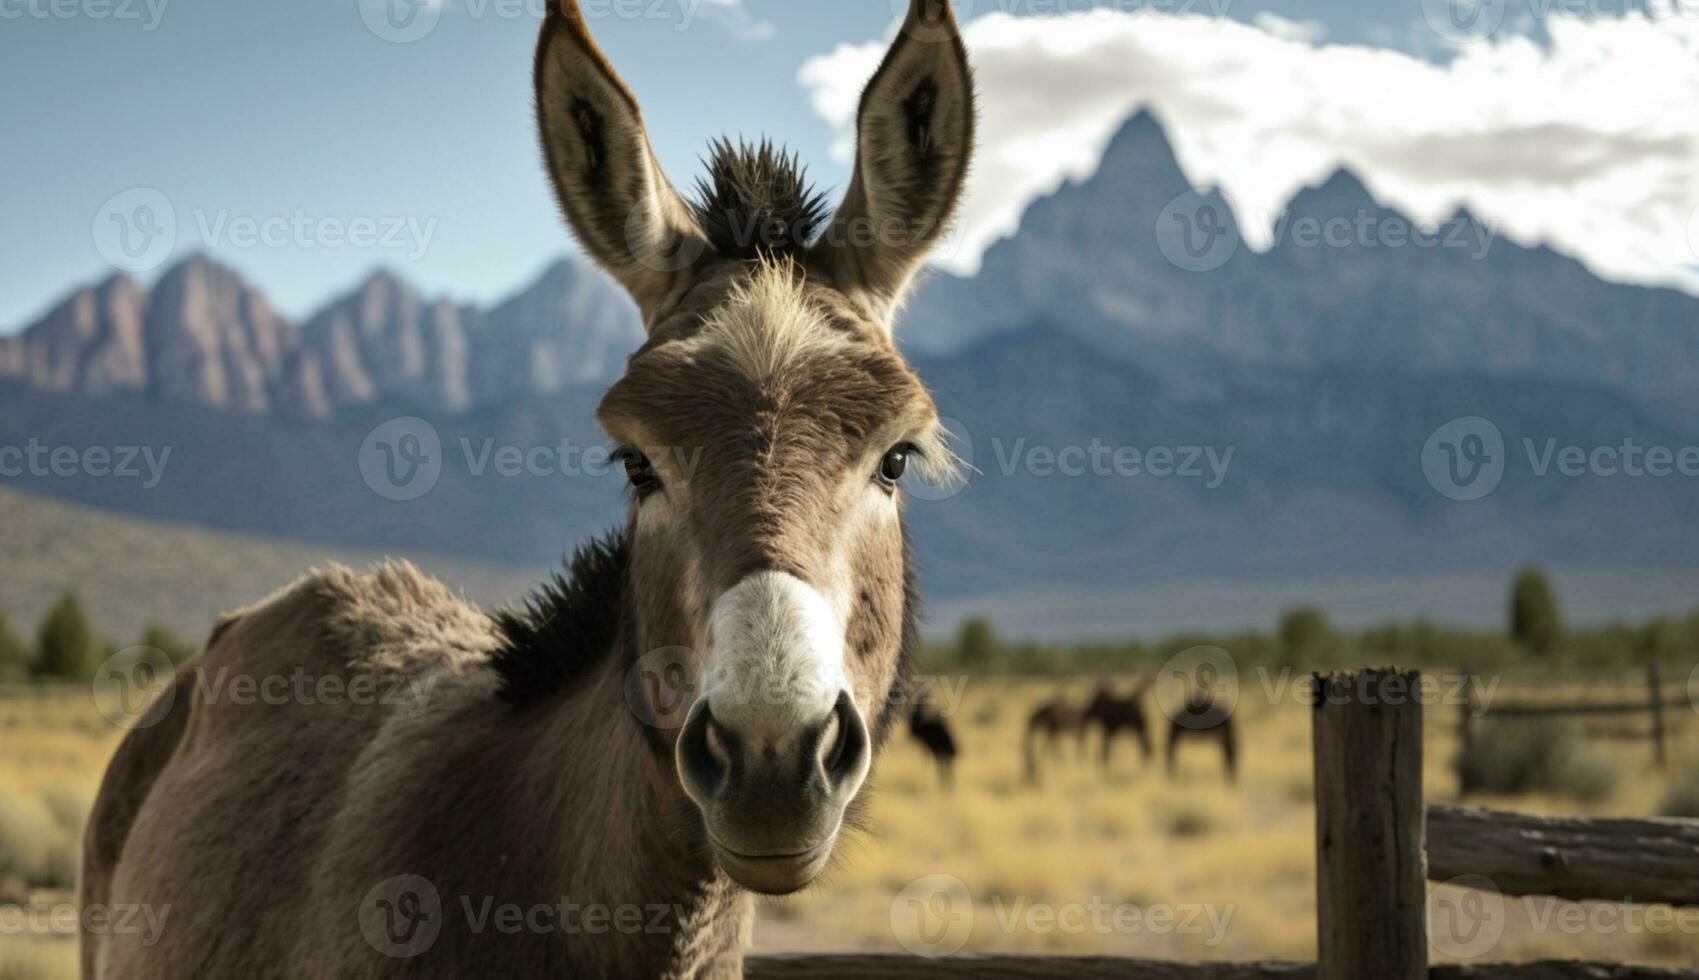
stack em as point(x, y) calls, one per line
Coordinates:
point(1466, 726)
point(1371, 909)
point(1655, 680)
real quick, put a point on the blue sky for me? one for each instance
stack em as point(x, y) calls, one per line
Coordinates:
point(301, 117)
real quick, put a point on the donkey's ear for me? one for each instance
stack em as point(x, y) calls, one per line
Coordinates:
point(619, 204)
point(914, 135)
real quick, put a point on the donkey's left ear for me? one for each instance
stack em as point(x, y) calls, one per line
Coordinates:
point(914, 136)
point(621, 207)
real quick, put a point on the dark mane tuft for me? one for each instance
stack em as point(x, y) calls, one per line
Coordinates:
point(567, 626)
point(756, 200)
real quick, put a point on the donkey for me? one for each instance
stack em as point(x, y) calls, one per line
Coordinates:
point(548, 809)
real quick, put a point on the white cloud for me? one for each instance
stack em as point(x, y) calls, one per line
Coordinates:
point(1303, 31)
point(736, 18)
point(1588, 143)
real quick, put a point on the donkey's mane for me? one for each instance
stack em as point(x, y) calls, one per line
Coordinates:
point(756, 200)
point(567, 626)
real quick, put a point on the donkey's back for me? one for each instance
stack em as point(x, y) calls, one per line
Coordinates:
point(229, 799)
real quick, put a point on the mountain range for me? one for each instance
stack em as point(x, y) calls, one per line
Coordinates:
point(202, 336)
point(1303, 384)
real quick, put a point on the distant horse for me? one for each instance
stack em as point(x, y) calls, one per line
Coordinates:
point(1051, 720)
point(931, 730)
point(1116, 715)
point(1202, 718)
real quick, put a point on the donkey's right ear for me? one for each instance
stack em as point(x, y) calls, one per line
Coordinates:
point(620, 206)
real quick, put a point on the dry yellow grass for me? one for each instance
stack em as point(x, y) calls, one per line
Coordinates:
point(1133, 837)
point(55, 748)
point(1134, 863)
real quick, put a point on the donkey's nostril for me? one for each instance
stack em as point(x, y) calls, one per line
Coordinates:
point(705, 753)
point(844, 744)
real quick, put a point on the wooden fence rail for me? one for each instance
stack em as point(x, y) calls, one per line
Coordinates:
point(1652, 861)
point(1655, 704)
point(895, 966)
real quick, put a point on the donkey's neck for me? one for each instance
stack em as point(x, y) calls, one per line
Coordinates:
point(585, 775)
point(627, 841)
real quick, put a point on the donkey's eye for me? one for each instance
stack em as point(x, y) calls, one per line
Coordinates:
point(895, 463)
point(638, 470)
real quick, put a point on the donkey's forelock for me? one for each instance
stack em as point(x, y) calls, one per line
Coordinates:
point(756, 201)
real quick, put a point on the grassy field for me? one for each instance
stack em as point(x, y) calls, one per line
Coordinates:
point(1184, 868)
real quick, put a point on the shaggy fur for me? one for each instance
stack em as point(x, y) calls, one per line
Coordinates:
point(567, 626)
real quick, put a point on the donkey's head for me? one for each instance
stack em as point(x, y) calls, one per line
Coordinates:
point(766, 424)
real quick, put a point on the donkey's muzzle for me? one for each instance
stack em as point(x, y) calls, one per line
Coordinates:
point(773, 800)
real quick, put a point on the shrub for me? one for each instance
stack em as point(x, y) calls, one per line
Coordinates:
point(15, 656)
point(1534, 620)
point(1533, 756)
point(70, 806)
point(977, 645)
point(1682, 797)
point(1188, 820)
point(1304, 630)
point(68, 647)
point(34, 846)
point(166, 642)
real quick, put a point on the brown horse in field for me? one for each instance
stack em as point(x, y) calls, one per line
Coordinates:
point(1115, 715)
point(1051, 721)
point(1201, 718)
point(931, 730)
point(544, 775)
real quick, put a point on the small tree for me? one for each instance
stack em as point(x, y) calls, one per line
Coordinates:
point(14, 654)
point(1304, 630)
point(1534, 621)
point(166, 642)
point(68, 647)
point(977, 645)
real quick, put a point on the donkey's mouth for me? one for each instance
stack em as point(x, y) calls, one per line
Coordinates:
point(774, 874)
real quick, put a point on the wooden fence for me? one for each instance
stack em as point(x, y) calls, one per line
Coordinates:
point(1656, 704)
point(1376, 846)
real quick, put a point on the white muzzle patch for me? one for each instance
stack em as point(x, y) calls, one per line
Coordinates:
point(777, 658)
